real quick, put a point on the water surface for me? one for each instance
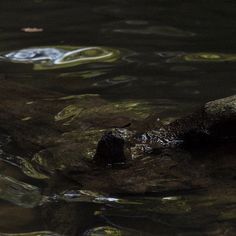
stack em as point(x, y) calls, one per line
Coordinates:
point(137, 57)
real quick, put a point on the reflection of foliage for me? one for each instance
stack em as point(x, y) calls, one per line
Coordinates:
point(174, 206)
point(87, 109)
point(209, 57)
point(105, 231)
point(85, 118)
point(44, 58)
point(41, 233)
point(70, 111)
point(19, 193)
point(198, 57)
point(228, 214)
point(29, 170)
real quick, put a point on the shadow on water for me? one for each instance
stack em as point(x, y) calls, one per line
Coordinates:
point(57, 99)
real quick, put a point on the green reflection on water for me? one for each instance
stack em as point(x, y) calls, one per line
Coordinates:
point(106, 231)
point(78, 96)
point(157, 30)
point(70, 111)
point(174, 205)
point(228, 214)
point(25, 166)
point(40, 233)
point(209, 57)
point(55, 57)
point(92, 107)
point(19, 193)
point(28, 169)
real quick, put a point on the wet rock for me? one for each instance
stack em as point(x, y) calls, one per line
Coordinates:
point(63, 132)
point(213, 123)
point(110, 150)
point(172, 167)
point(19, 193)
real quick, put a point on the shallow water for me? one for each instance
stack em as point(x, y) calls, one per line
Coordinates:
point(116, 58)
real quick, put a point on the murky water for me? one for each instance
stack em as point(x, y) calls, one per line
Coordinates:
point(69, 70)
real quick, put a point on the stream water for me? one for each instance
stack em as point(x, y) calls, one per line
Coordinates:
point(125, 56)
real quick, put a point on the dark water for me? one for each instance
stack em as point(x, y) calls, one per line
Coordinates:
point(168, 55)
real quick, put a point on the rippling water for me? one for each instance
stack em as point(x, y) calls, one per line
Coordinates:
point(73, 62)
point(46, 58)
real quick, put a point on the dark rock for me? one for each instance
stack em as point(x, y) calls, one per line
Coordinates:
point(212, 124)
point(110, 150)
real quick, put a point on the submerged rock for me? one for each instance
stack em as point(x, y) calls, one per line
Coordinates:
point(110, 150)
point(57, 145)
point(19, 193)
point(162, 160)
point(60, 141)
point(213, 123)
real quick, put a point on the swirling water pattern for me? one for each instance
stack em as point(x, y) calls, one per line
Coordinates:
point(44, 58)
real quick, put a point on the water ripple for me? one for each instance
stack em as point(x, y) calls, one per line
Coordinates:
point(38, 233)
point(197, 57)
point(209, 57)
point(157, 30)
point(122, 79)
point(19, 193)
point(29, 196)
point(108, 230)
point(25, 166)
point(44, 58)
point(70, 196)
point(142, 27)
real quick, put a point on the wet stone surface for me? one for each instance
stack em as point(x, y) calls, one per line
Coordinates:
point(62, 159)
point(71, 71)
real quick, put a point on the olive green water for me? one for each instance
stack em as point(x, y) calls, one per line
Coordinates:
point(137, 57)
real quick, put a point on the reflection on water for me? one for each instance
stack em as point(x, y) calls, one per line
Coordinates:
point(156, 30)
point(109, 231)
point(122, 79)
point(199, 214)
point(210, 57)
point(29, 196)
point(153, 55)
point(25, 166)
point(197, 57)
point(40, 233)
point(70, 111)
point(44, 58)
point(71, 196)
point(19, 193)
